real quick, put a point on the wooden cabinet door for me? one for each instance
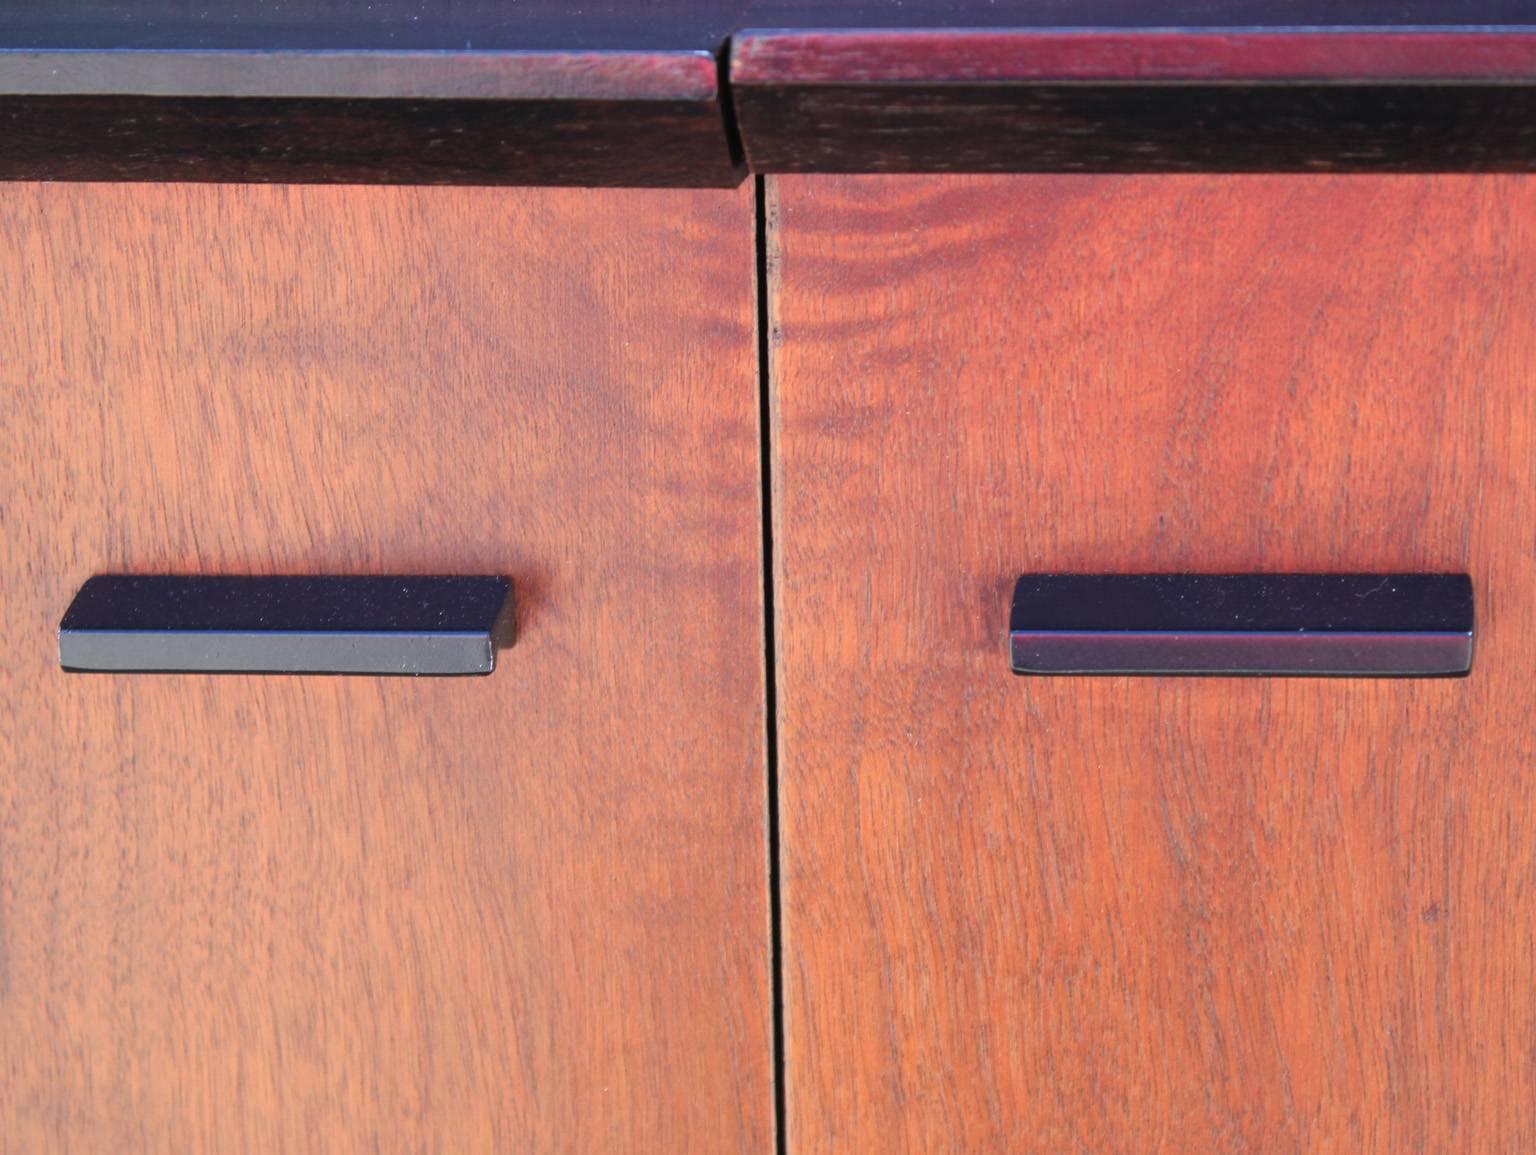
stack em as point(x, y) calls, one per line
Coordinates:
point(1159, 914)
point(526, 912)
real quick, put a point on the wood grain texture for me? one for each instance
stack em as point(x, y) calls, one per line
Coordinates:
point(520, 913)
point(1150, 915)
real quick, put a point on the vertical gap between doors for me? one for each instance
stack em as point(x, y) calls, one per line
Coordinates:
point(765, 449)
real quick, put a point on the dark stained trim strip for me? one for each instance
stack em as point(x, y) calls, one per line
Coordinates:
point(1452, 98)
point(328, 117)
point(1155, 100)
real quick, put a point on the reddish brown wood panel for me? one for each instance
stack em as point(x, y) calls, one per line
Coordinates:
point(520, 913)
point(1150, 915)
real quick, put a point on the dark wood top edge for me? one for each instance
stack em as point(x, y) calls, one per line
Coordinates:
point(607, 143)
point(795, 99)
point(363, 75)
point(1314, 56)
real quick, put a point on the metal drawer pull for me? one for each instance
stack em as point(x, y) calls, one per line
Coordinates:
point(287, 625)
point(1338, 625)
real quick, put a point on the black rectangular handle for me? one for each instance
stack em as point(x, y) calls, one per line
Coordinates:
point(287, 625)
point(1339, 625)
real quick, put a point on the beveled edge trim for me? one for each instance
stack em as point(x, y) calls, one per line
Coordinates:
point(426, 654)
point(362, 75)
point(1152, 56)
point(1430, 654)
